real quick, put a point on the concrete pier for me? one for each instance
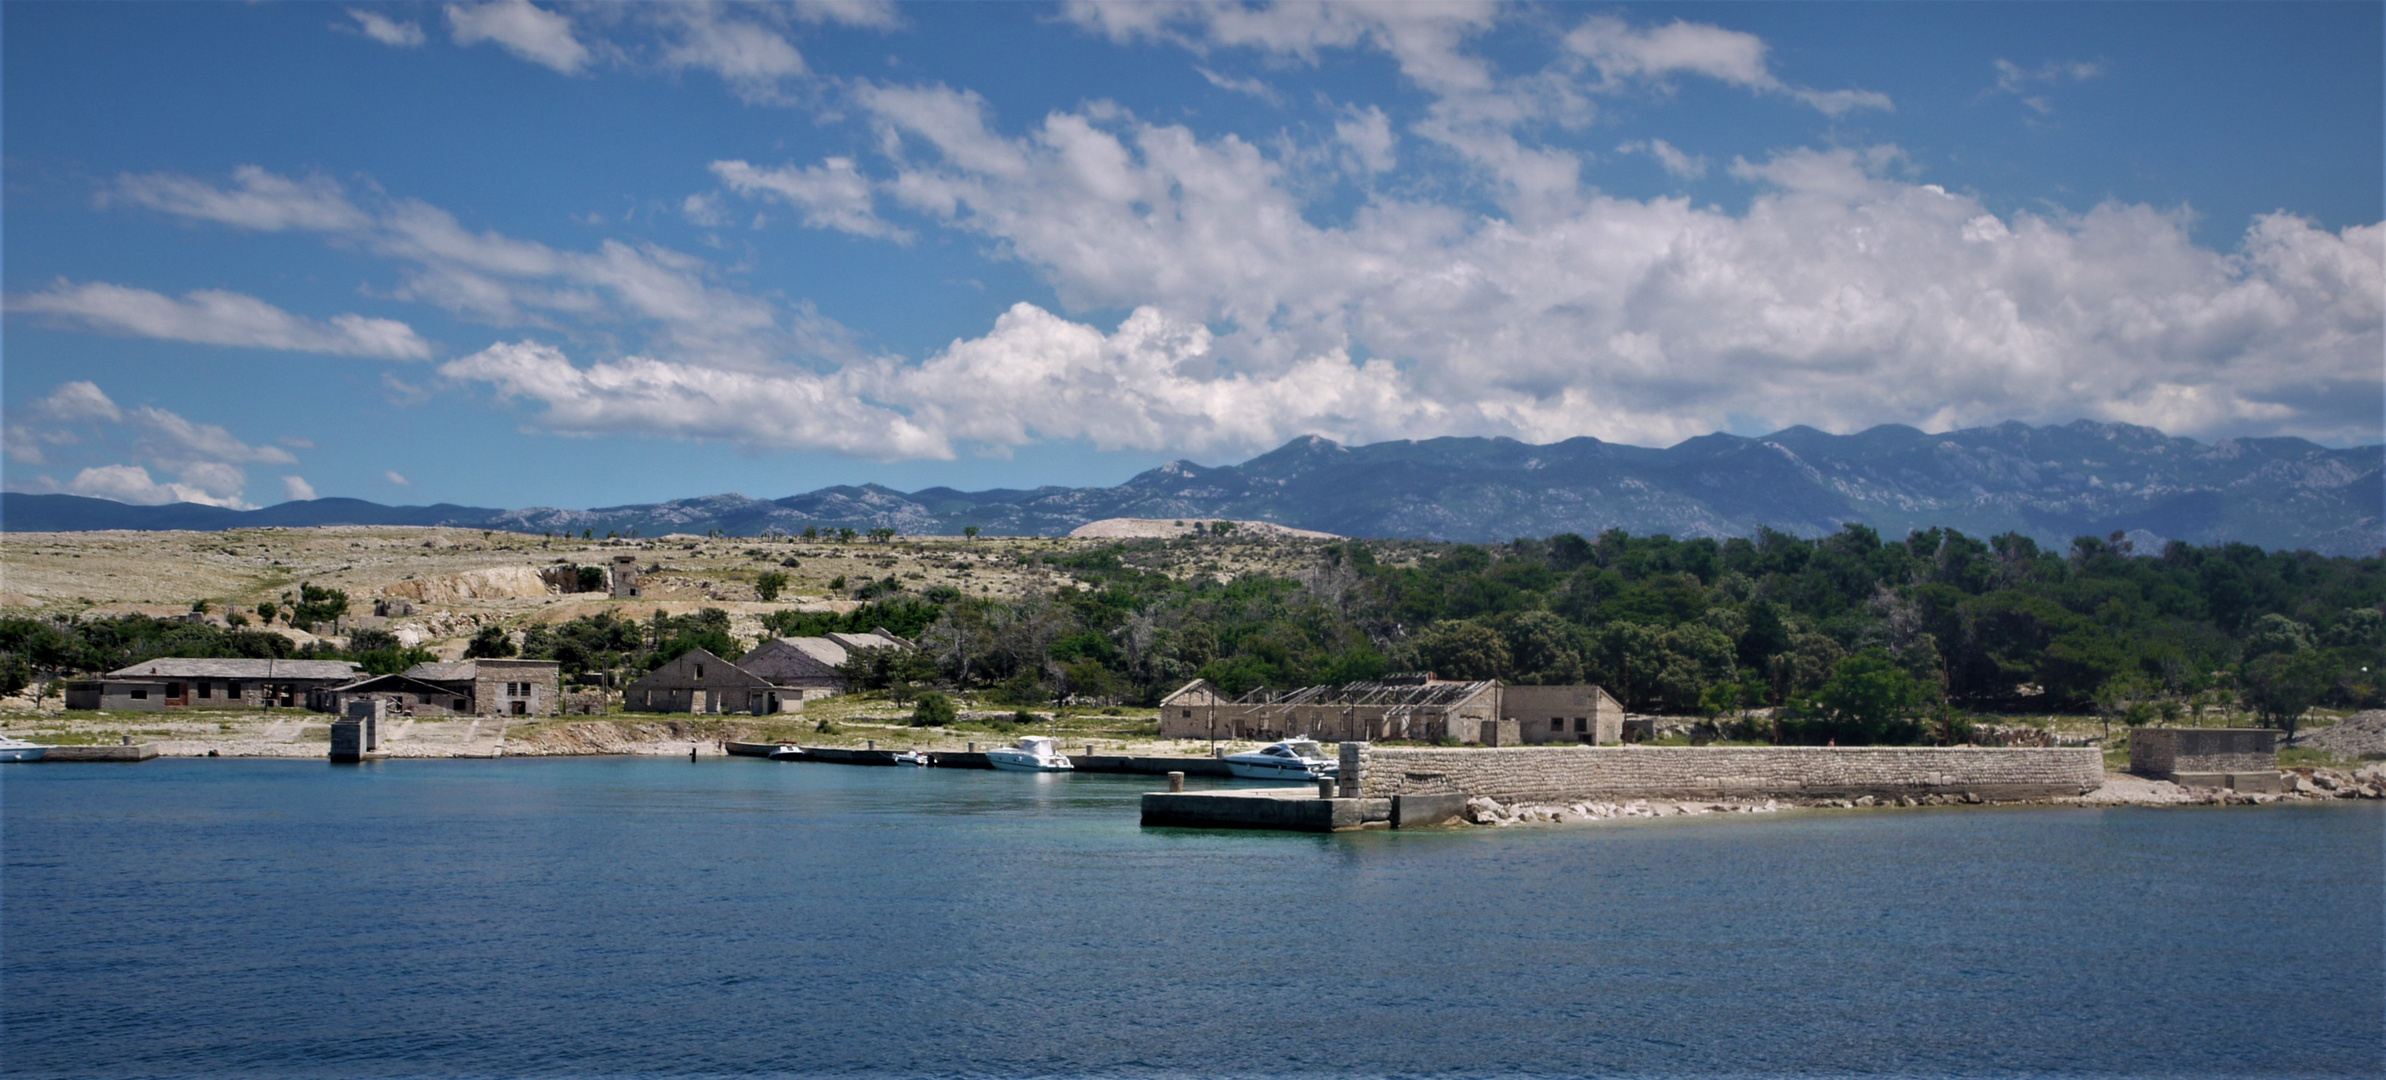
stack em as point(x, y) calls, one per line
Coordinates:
point(133, 752)
point(1295, 810)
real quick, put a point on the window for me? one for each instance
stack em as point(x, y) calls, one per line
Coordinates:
point(1557, 723)
point(699, 671)
point(232, 690)
point(1188, 714)
point(141, 694)
point(206, 689)
point(649, 697)
point(1582, 724)
point(463, 705)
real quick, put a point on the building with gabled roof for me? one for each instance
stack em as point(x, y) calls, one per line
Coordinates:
point(699, 682)
point(814, 665)
point(177, 682)
point(498, 686)
point(1414, 706)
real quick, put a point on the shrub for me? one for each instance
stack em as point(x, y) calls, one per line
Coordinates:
point(769, 584)
point(933, 709)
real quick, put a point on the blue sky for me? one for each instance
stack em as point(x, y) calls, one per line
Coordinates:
point(523, 254)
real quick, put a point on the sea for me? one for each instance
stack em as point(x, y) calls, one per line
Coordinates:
point(656, 917)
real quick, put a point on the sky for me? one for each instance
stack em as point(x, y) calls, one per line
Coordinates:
point(514, 253)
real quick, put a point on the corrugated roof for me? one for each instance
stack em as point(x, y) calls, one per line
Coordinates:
point(178, 667)
point(447, 671)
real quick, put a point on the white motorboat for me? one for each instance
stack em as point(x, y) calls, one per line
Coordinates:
point(912, 757)
point(787, 752)
point(1035, 753)
point(1292, 759)
point(15, 749)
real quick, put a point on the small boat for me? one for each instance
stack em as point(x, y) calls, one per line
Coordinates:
point(785, 752)
point(15, 749)
point(1035, 753)
point(912, 757)
point(1292, 759)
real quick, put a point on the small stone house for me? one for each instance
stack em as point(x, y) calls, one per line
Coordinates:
point(700, 682)
point(495, 687)
point(2241, 759)
point(1563, 714)
point(811, 665)
point(171, 682)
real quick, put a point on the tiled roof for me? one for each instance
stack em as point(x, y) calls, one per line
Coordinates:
point(176, 667)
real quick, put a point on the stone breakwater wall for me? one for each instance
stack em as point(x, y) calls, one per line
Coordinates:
point(1565, 774)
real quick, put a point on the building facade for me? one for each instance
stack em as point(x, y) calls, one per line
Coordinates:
point(493, 687)
point(700, 682)
point(813, 666)
point(1420, 708)
point(1560, 714)
point(170, 682)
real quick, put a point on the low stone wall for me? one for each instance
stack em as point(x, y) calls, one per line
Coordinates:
point(1564, 774)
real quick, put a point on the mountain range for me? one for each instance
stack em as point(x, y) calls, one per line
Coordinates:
point(2050, 483)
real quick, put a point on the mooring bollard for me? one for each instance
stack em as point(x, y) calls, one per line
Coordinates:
point(691, 753)
point(1176, 781)
point(1089, 749)
point(973, 748)
point(1325, 787)
point(869, 744)
point(128, 741)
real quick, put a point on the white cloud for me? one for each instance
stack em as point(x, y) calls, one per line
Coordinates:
point(750, 57)
point(1257, 88)
point(133, 484)
point(258, 200)
point(404, 34)
point(1622, 53)
point(1669, 157)
point(1367, 135)
point(296, 489)
point(832, 195)
point(215, 317)
point(868, 14)
point(393, 477)
point(170, 438)
point(78, 400)
point(521, 28)
point(2023, 82)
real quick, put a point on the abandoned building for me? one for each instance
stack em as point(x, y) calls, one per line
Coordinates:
point(699, 682)
point(1419, 707)
point(813, 666)
point(624, 578)
point(170, 682)
point(402, 695)
point(496, 687)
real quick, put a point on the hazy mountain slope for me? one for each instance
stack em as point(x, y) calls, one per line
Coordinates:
point(2051, 483)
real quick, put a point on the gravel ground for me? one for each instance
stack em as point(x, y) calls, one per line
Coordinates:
point(2353, 736)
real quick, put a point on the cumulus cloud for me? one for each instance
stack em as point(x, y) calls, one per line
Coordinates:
point(205, 460)
point(296, 489)
point(401, 33)
point(831, 195)
point(751, 57)
point(215, 317)
point(133, 484)
point(521, 28)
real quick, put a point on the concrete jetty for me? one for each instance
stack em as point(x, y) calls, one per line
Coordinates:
point(1298, 809)
point(127, 752)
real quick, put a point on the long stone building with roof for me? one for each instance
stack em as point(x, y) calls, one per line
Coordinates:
point(174, 682)
point(1411, 707)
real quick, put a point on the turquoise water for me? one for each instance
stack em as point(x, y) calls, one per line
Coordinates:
point(632, 917)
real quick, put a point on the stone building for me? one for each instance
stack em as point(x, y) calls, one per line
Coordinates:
point(171, 682)
point(812, 665)
point(1413, 707)
point(2242, 759)
point(699, 682)
point(1558, 714)
point(495, 687)
point(1418, 707)
point(402, 695)
point(624, 578)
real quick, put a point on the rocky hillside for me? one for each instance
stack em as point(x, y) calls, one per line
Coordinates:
point(2051, 483)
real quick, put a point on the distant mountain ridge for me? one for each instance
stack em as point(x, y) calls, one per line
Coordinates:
point(2051, 483)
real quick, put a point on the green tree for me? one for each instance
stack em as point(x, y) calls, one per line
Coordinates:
point(491, 642)
point(969, 531)
point(1462, 649)
point(2280, 687)
point(932, 709)
point(1867, 697)
point(768, 585)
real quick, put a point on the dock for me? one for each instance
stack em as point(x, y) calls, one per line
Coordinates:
point(1296, 810)
point(973, 759)
point(134, 752)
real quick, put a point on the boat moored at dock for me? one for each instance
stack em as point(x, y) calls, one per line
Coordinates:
point(1034, 753)
point(1292, 759)
point(15, 749)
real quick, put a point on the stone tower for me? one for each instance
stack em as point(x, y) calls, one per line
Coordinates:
point(625, 577)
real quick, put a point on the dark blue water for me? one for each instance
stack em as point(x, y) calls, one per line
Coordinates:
point(661, 918)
